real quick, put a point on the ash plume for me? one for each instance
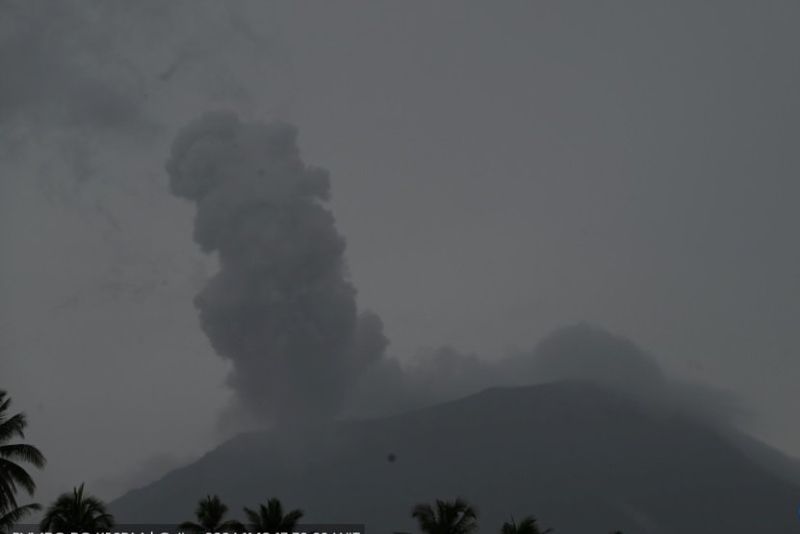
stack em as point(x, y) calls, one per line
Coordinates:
point(576, 353)
point(281, 307)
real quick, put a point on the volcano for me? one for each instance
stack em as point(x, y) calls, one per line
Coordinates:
point(580, 457)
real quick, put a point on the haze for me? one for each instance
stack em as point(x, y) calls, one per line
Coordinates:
point(497, 171)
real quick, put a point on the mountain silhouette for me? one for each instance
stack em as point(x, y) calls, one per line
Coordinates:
point(581, 458)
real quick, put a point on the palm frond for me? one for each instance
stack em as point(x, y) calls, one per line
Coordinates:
point(13, 426)
point(22, 452)
point(77, 512)
point(16, 475)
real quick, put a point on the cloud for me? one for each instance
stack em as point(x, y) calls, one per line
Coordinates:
point(61, 71)
point(81, 77)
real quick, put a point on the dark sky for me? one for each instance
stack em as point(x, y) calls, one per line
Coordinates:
point(497, 171)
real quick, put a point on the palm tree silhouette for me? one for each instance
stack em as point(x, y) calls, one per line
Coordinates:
point(76, 512)
point(526, 526)
point(210, 513)
point(270, 518)
point(12, 475)
point(449, 517)
point(14, 515)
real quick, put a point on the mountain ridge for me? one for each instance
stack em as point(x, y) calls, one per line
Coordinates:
point(581, 457)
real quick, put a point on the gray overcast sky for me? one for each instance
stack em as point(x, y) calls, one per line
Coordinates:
point(497, 170)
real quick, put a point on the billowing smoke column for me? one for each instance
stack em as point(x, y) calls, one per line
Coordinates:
point(281, 307)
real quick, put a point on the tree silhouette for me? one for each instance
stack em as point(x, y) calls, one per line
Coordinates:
point(448, 517)
point(15, 514)
point(210, 514)
point(76, 512)
point(12, 474)
point(526, 526)
point(270, 518)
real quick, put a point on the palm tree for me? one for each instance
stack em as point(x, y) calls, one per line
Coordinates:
point(15, 515)
point(270, 518)
point(526, 526)
point(76, 512)
point(449, 517)
point(12, 475)
point(210, 513)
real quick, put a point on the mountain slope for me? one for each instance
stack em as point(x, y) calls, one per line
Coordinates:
point(579, 457)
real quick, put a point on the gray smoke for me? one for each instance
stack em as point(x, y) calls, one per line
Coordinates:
point(577, 353)
point(281, 307)
point(588, 353)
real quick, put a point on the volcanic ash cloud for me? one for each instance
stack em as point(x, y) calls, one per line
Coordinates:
point(281, 307)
